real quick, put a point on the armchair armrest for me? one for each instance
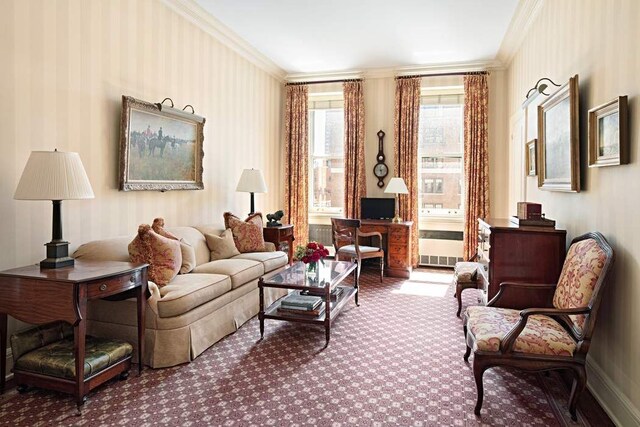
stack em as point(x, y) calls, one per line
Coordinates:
point(372, 234)
point(537, 295)
point(509, 339)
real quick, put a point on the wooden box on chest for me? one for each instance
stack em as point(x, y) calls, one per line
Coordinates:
point(519, 254)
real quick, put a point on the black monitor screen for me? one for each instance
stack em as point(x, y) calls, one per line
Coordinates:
point(377, 208)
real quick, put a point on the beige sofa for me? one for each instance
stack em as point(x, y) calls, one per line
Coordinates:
point(195, 310)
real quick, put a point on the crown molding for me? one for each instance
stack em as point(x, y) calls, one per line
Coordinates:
point(193, 12)
point(526, 12)
point(380, 73)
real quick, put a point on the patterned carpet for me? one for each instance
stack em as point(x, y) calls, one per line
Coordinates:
point(395, 360)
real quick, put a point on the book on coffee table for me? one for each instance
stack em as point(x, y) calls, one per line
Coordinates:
point(303, 312)
point(307, 302)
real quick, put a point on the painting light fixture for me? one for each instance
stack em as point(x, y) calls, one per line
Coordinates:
point(55, 176)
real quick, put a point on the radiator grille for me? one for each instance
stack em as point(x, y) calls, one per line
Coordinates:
point(439, 260)
point(320, 233)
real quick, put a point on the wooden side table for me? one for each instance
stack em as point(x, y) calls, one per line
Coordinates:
point(37, 296)
point(282, 237)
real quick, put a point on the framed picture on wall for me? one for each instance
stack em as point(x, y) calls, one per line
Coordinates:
point(609, 134)
point(559, 140)
point(160, 147)
point(531, 160)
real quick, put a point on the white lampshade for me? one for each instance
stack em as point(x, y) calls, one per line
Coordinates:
point(251, 181)
point(53, 175)
point(397, 186)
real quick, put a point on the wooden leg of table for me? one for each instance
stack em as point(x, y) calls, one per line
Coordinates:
point(261, 313)
point(327, 314)
point(80, 335)
point(3, 350)
point(141, 294)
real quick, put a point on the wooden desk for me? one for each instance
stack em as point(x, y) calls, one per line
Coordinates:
point(282, 237)
point(519, 254)
point(39, 296)
point(397, 244)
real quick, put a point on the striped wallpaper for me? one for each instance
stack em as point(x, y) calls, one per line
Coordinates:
point(65, 65)
point(599, 41)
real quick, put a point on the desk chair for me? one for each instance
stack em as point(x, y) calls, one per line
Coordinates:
point(346, 235)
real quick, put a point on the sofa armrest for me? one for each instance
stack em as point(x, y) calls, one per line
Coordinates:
point(269, 247)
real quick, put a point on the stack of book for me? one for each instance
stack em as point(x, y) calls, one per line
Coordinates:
point(320, 292)
point(305, 305)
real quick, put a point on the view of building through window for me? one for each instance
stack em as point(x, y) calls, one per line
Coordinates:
point(440, 147)
point(326, 157)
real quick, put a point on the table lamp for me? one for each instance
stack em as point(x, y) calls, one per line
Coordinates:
point(396, 185)
point(55, 176)
point(251, 181)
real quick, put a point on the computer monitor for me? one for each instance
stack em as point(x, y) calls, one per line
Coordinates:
point(377, 208)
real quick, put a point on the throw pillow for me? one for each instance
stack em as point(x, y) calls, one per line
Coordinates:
point(162, 254)
point(222, 246)
point(247, 234)
point(188, 252)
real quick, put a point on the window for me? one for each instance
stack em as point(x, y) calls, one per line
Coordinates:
point(326, 154)
point(440, 148)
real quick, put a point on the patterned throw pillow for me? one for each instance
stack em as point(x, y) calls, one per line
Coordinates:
point(247, 234)
point(162, 254)
point(188, 252)
point(222, 246)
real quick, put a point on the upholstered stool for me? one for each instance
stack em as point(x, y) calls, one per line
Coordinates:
point(48, 351)
point(466, 275)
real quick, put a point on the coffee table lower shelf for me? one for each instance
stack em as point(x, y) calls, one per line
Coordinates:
point(348, 293)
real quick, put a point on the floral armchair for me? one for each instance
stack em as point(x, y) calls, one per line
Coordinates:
point(556, 336)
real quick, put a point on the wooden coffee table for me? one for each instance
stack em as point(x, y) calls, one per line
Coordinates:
point(328, 276)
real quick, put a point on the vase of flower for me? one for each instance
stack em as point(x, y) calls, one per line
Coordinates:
point(311, 255)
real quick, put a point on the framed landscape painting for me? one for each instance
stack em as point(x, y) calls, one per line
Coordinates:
point(609, 134)
point(160, 148)
point(559, 140)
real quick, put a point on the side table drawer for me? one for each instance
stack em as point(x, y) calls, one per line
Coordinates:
point(112, 285)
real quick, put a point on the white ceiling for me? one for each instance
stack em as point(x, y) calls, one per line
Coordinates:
point(313, 36)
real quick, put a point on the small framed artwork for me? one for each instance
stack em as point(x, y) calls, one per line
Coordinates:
point(559, 140)
point(532, 164)
point(160, 147)
point(609, 134)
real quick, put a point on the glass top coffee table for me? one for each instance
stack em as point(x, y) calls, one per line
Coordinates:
point(325, 283)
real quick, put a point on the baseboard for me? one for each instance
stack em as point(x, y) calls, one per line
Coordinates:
point(619, 408)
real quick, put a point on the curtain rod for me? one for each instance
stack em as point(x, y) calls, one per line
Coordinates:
point(462, 73)
point(322, 81)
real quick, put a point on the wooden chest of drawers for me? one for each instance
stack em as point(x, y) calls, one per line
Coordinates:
point(519, 254)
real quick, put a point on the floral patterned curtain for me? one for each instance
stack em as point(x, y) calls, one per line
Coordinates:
point(406, 125)
point(476, 158)
point(355, 186)
point(296, 188)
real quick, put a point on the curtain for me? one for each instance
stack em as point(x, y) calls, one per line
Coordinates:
point(355, 186)
point(296, 188)
point(407, 114)
point(476, 158)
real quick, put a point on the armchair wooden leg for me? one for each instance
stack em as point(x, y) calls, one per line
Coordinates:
point(478, 371)
point(579, 383)
point(381, 269)
point(459, 296)
point(467, 353)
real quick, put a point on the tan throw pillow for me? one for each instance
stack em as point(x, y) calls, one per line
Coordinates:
point(188, 252)
point(247, 234)
point(162, 254)
point(222, 246)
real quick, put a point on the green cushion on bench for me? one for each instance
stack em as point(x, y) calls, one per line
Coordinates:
point(57, 359)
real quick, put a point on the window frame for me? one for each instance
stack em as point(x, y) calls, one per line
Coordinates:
point(451, 214)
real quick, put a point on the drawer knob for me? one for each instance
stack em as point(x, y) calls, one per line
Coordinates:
point(103, 287)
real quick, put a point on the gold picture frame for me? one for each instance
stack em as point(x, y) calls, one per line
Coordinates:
point(559, 139)
point(609, 133)
point(160, 147)
point(531, 160)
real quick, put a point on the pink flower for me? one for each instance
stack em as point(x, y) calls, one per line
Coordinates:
point(312, 245)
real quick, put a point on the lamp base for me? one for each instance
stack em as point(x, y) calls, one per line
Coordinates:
point(396, 219)
point(57, 255)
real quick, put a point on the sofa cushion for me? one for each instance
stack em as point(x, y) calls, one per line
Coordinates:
point(222, 246)
point(113, 249)
point(195, 239)
point(542, 335)
point(270, 260)
point(247, 234)
point(163, 255)
point(240, 271)
point(188, 252)
point(189, 291)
